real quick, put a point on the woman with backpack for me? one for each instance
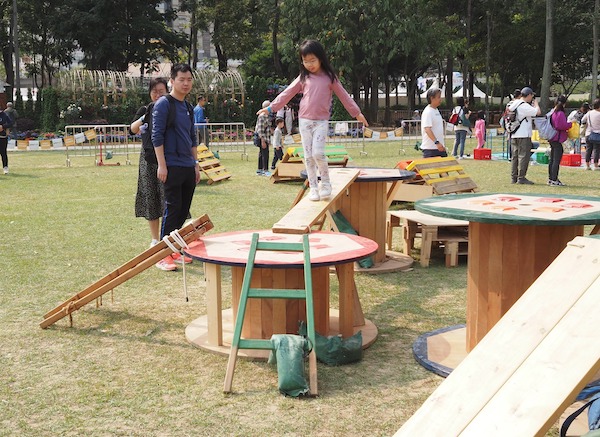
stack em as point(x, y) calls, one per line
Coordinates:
point(561, 125)
point(463, 126)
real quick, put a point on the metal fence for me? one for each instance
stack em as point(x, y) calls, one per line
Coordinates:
point(349, 134)
point(225, 137)
point(107, 144)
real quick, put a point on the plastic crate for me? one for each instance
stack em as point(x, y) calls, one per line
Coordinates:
point(541, 158)
point(571, 160)
point(482, 154)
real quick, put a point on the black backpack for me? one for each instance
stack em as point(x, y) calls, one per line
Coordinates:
point(149, 154)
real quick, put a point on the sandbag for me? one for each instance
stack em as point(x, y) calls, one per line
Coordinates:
point(289, 353)
point(336, 351)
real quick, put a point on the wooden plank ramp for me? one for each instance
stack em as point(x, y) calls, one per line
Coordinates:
point(126, 271)
point(532, 364)
point(210, 165)
point(306, 213)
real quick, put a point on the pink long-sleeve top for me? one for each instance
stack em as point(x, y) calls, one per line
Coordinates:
point(560, 123)
point(317, 91)
point(480, 128)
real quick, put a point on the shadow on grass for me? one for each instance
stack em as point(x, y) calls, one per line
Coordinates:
point(112, 321)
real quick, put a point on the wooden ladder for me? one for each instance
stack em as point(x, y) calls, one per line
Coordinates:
point(262, 293)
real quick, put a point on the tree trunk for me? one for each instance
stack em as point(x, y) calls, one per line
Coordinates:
point(488, 55)
point(595, 35)
point(15, 40)
point(221, 58)
point(548, 57)
point(387, 116)
point(194, 38)
point(374, 95)
point(467, 82)
point(276, 57)
point(449, 85)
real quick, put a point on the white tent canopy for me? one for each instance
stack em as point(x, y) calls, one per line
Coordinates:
point(476, 92)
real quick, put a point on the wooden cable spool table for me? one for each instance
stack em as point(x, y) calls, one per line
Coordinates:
point(513, 238)
point(265, 317)
point(365, 206)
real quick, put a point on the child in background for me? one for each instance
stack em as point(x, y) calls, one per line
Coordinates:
point(480, 129)
point(317, 82)
point(277, 142)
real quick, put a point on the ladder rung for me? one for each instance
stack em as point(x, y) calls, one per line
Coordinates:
point(255, 344)
point(288, 247)
point(277, 293)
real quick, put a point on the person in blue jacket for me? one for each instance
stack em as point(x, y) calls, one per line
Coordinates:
point(175, 146)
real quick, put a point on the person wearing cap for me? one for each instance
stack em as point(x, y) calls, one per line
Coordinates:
point(432, 126)
point(525, 107)
point(12, 115)
point(263, 130)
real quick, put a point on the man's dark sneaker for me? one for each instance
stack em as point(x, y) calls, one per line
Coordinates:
point(524, 181)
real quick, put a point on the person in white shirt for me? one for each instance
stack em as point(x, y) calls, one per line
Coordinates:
point(432, 126)
point(526, 108)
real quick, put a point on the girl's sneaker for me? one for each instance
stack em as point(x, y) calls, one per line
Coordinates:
point(325, 190)
point(314, 194)
point(167, 264)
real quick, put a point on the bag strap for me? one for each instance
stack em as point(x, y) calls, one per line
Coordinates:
point(517, 112)
point(567, 423)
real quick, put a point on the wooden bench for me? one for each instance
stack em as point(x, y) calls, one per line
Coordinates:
point(292, 162)
point(434, 176)
point(531, 365)
point(453, 234)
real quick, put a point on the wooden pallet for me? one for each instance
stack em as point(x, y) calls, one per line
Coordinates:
point(435, 176)
point(531, 365)
point(125, 272)
point(306, 213)
point(292, 162)
point(211, 166)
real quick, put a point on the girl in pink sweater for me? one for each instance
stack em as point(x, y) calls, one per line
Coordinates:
point(317, 82)
point(480, 129)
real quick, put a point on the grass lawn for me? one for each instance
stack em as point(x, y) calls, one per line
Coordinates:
point(125, 368)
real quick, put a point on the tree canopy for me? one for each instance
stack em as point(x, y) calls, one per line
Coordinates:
point(373, 45)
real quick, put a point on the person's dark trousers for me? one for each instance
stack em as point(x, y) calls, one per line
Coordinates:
point(263, 158)
point(278, 152)
point(556, 153)
point(431, 153)
point(179, 191)
point(521, 151)
point(589, 147)
point(3, 147)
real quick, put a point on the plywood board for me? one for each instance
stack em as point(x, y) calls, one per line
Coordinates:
point(524, 345)
point(306, 212)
